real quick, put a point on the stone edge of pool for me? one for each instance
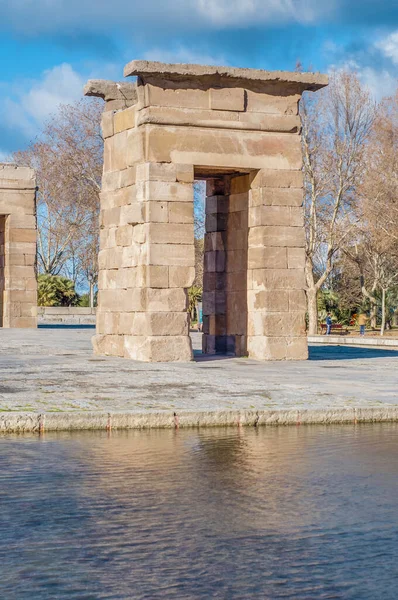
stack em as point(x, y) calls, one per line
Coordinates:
point(22, 422)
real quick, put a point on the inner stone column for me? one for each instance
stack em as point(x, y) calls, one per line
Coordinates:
point(225, 266)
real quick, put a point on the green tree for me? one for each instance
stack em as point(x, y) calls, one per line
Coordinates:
point(53, 290)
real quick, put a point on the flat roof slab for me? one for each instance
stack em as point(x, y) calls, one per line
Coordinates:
point(216, 74)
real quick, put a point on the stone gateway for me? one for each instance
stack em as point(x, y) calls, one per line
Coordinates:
point(239, 130)
point(18, 286)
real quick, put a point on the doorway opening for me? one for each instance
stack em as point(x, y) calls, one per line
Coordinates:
point(221, 216)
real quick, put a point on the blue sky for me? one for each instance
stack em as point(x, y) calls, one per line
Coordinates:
point(49, 48)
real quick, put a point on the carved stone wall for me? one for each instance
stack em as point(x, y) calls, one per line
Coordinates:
point(239, 129)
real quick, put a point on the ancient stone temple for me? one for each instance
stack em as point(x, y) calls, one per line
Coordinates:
point(18, 286)
point(239, 130)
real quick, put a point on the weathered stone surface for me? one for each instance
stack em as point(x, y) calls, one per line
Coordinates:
point(18, 287)
point(227, 99)
point(124, 119)
point(277, 236)
point(186, 72)
point(158, 348)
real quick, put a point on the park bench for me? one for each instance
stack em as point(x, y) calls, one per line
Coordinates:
point(336, 328)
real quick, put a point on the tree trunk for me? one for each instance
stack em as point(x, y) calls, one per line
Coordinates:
point(91, 295)
point(383, 311)
point(373, 314)
point(312, 305)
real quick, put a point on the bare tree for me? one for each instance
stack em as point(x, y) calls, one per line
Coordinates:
point(67, 158)
point(336, 126)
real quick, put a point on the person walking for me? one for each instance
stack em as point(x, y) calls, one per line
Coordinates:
point(328, 323)
point(362, 320)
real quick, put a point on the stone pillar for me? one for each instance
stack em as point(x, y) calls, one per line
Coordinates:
point(147, 256)
point(225, 266)
point(276, 261)
point(214, 275)
point(18, 285)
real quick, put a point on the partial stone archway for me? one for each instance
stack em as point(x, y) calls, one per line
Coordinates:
point(18, 285)
point(239, 129)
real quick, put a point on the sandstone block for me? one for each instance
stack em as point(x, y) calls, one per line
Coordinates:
point(173, 255)
point(22, 322)
point(135, 150)
point(185, 173)
point(132, 214)
point(124, 235)
point(276, 215)
point(21, 221)
point(181, 212)
point(297, 348)
point(217, 204)
point(124, 119)
point(115, 152)
point(169, 233)
point(158, 348)
point(108, 323)
point(237, 239)
point(214, 262)
point(269, 300)
point(108, 345)
point(236, 260)
point(160, 324)
point(276, 197)
point(238, 202)
point(215, 240)
point(262, 257)
point(110, 180)
point(22, 235)
point(297, 300)
point(148, 171)
point(178, 97)
point(276, 179)
point(181, 277)
point(276, 236)
point(278, 279)
point(167, 192)
point(166, 300)
point(240, 184)
point(296, 258)
point(236, 281)
point(214, 302)
point(158, 212)
point(272, 104)
point(276, 324)
point(110, 217)
point(227, 99)
point(107, 124)
point(127, 177)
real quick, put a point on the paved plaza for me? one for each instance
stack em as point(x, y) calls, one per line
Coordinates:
point(54, 370)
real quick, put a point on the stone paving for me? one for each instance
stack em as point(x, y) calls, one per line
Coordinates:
point(54, 370)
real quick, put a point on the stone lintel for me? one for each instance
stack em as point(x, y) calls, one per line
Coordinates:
point(218, 76)
point(13, 176)
point(111, 90)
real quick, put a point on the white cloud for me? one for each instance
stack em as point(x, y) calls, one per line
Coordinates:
point(63, 16)
point(380, 82)
point(184, 55)
point(26, 104)
point(389, 47)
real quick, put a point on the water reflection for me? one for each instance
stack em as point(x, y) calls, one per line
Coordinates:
point(284, 512)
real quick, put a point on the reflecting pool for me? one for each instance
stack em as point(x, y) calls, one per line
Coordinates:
point(277, 512)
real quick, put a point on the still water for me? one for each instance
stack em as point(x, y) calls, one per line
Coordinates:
point(288, 512)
